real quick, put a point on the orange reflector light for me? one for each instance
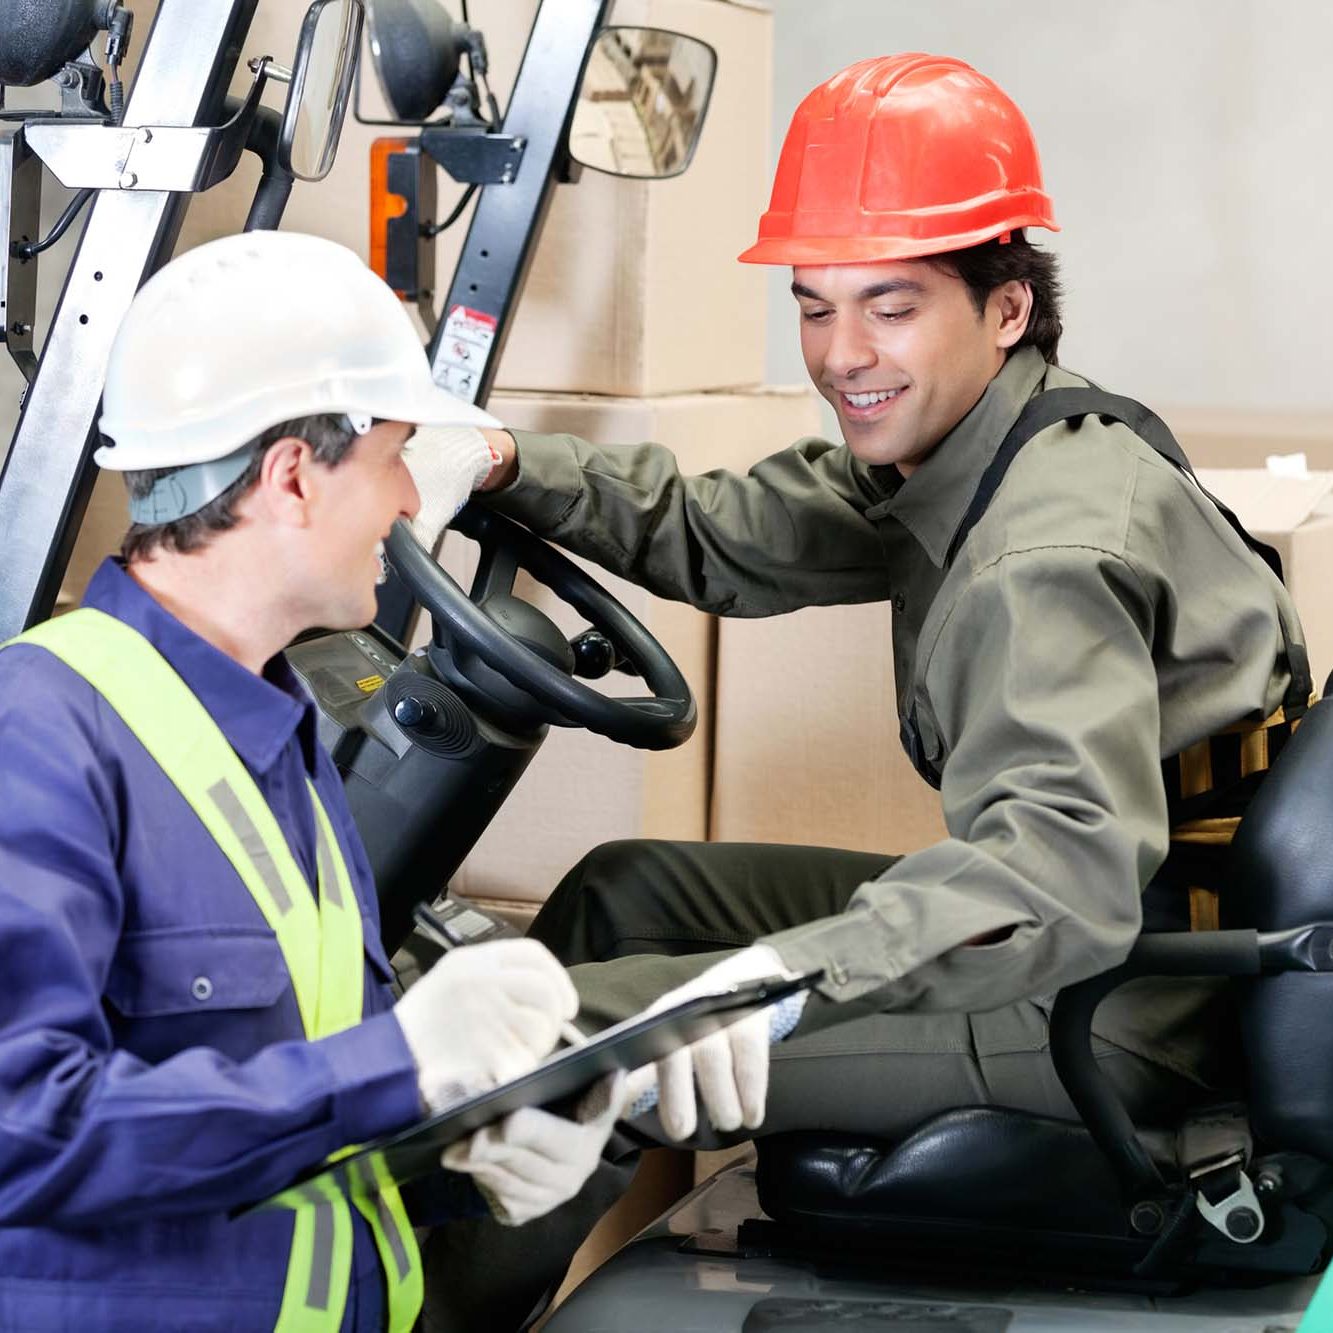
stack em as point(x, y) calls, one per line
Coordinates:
point(384, 205)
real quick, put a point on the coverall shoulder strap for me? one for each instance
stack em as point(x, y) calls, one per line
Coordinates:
point(1055, 405)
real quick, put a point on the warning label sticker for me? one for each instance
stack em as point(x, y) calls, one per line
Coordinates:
point(465, 347)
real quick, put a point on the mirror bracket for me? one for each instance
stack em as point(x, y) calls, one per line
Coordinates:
point(475, 157)
point(179, 158)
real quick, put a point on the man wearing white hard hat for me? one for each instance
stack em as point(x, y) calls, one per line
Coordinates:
point(196, 1002)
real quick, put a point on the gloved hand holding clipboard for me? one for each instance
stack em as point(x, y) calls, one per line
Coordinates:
point(637, 1041)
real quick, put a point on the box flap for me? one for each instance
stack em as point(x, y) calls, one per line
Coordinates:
point(1264, 502)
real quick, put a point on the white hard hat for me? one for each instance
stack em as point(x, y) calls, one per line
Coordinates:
point(249, 331)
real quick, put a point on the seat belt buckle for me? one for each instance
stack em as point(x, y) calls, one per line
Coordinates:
point(1226, 1198)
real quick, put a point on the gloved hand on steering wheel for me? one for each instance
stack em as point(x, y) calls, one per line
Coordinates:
point(729, 1067)
point(447, 463)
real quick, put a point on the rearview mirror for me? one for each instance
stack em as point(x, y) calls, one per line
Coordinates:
point(321, 85)
point(642, 102)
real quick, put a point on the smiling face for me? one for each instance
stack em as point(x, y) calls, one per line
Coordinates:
point(356, 502)
point(901, 352)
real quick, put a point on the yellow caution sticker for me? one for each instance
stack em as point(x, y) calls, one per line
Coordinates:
point(369, 684)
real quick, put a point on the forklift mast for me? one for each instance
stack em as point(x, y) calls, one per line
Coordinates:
point(48, 472)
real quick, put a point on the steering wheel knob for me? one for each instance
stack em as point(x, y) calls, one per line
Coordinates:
point(594, 655)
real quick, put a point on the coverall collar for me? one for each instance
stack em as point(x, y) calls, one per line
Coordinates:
point(931, 503)
point(257, 714)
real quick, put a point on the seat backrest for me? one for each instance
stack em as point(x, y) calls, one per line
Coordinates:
point(1281, 875)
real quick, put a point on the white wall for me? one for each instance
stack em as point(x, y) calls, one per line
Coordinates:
point(1188, 146)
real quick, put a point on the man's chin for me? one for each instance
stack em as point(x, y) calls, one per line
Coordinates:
point(875, 453)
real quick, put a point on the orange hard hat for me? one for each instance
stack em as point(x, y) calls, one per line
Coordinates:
point(898, 157)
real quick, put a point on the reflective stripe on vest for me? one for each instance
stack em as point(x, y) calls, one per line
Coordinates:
point(322, 945)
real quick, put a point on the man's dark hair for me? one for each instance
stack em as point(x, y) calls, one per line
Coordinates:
point(330, 437)
point(990, 265)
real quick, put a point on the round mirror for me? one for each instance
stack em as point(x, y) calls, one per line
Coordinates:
point(321, 84)
point(642, 101)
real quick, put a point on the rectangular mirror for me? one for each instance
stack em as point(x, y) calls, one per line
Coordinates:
point(322, 70)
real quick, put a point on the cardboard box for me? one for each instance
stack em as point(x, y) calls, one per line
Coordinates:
point(635, 289)
point(807, 746)
point(1295, 516)
point(582, 790)
point(1218, 438)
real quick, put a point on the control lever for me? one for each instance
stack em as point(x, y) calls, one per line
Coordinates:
point(453, 922)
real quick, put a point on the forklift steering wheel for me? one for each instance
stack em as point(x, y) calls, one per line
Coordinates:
point(472, 623)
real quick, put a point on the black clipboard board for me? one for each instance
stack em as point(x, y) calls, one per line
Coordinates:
point(415, 1152)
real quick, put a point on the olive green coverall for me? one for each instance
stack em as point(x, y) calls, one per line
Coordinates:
point(1101, 616)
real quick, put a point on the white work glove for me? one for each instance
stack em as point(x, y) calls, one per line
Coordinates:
point(730, 1066)
point(533, 1161)
point(447, 463)
point(483, 1015)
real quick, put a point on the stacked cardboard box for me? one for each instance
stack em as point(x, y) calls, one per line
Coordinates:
point(1218, 438)
point(807, 736)
point(637, 323)
point(582, 790)
point(1229, 449)
point(635, 289)
point(1294, 515)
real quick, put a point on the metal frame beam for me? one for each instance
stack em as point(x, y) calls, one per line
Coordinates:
point(47, 478)
point(477, 314)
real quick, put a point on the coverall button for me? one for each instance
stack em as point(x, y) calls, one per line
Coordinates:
point(899, 602)
point(837, 974)
point(201, 988)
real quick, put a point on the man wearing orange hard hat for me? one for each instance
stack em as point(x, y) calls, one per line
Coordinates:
point(1075, 621)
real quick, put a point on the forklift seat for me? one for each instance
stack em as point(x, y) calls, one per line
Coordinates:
point(1233, 1194)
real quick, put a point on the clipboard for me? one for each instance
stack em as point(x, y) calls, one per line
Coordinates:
point(415, 1151)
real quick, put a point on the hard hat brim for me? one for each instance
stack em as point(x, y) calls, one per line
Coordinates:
point(817, 251)
point(428, 405)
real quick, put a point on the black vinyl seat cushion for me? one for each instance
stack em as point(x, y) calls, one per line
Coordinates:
point(982, 1164)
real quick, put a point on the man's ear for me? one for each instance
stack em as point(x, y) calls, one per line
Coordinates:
point(284, 485)
point(1011, 307)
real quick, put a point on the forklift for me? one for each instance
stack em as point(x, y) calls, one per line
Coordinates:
point(983, 1219)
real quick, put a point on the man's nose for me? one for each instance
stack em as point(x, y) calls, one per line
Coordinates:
point(850, 348)
point(411, 505)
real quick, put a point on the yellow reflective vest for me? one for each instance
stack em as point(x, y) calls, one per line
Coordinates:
point(321, 941)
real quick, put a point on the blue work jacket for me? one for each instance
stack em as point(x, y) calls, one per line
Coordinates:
point(153, 1068)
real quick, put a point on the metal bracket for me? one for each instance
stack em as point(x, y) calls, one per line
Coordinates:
point(179, 158)
point(81, 85)
point(20, 222)
point(1237, 1214)
point(474, 157)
